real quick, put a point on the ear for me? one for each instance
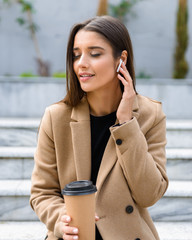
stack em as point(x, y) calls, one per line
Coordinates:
point(124, 56)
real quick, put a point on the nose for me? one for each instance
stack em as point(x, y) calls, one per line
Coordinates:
point(83, 61)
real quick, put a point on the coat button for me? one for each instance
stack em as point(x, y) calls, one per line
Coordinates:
point(119, 141)
point(129, 209)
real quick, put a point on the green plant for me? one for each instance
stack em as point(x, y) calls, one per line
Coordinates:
point(120, 10)
point(27, 7)
point(144, 75)
point(27, 21)
point(59, 75)
point(8, 2)
point(27, 74)
point(7, 75)
point(180, 63)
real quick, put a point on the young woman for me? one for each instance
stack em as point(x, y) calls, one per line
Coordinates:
point(105, 132)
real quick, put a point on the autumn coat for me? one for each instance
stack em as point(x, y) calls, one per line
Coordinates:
point(132, 174)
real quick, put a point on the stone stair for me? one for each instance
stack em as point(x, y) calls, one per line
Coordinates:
point(18, 138)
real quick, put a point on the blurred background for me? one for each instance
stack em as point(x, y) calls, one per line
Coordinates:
point(33, 42)
point(35, 32)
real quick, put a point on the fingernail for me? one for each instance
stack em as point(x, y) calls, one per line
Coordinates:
point(75, 237)
point(68, 219)
point(75, 231)
point(97, 217)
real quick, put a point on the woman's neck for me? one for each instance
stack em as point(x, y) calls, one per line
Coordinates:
point(104, 103)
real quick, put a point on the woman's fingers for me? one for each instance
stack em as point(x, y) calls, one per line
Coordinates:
point(69, 232)
point(66, 219)
point(126, 76)
point(126, 81)
point(123, 80)
point(96, 218)
point(125, 72)
point(124, 111)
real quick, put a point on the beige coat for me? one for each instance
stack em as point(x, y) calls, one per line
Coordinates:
point(132, 174)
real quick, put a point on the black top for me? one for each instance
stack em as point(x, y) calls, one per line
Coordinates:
point(99, 137)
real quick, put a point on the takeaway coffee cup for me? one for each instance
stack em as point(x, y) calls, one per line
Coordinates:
point(79, 198)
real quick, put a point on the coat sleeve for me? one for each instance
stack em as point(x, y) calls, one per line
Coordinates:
point(46, 199)
point(142, 157)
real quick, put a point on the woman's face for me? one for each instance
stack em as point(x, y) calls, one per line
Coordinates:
point(94, 63)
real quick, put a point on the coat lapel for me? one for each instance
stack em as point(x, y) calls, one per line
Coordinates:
point(107, 163)
point(110, 157)
point(81, 139)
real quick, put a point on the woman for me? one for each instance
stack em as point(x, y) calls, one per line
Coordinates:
point(103, 131)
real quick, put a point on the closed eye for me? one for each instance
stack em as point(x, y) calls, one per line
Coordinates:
point(92, 55)
point(96, 54)
point(76, 56)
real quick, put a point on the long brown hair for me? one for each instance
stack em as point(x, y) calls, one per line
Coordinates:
point(118, 37)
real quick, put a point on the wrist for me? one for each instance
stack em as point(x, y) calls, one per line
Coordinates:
point(121, 122)
point(124, 121)
point(124, 117)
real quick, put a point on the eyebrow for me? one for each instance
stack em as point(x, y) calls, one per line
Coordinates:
point(91, 47)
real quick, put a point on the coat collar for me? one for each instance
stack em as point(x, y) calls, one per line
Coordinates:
point(81, 111)
point(81, 139)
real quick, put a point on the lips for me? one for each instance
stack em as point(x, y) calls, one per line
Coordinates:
point(85, 76)
point(88, 75)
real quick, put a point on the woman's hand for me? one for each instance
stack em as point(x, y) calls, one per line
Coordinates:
point(69, 232)
point(124, 111)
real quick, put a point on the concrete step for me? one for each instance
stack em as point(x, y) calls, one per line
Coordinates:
point(17, 163)
point(174, 206)
point(28, 152)
point(179, 133)
point(22, 231)
point(14, 198)
point(176, 203)
point(179, 170)
point(18, 131)
point(179, 164)
point(23, 132)
point(37, 230)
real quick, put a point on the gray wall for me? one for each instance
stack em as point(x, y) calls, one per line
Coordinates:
point(29, 97)
point(152, 29)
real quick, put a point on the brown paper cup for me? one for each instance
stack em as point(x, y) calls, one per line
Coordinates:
point(79, 198)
